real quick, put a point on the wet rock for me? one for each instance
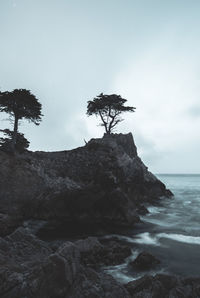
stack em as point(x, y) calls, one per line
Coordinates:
point(29, 269)
point(144, 261)
point(97, 285)
point(140, 286)
point(165, 286)
point(142, 210)
point(8, 224)
point(108, 253)
point(89, 245)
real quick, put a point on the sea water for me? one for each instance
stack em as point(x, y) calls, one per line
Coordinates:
point(171, 232)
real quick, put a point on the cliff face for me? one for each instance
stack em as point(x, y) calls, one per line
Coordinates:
point(101, 184)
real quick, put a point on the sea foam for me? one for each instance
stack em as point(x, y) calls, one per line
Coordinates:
point(180, 238)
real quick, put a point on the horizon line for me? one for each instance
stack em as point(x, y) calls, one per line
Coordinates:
point(177, 174)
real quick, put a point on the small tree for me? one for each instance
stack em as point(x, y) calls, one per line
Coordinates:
point(20, 104)
point(109, 109)
point(21, 145)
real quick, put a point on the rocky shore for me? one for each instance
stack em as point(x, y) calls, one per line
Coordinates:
point(50, 205)
point(31, 268)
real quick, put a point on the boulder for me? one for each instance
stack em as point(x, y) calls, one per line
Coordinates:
point(144, 261)
point(110, 252)
point(89, 245)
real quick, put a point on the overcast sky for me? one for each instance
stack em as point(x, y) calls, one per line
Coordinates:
point(68, 51)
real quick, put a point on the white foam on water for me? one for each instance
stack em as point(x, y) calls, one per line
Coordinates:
point(120, 276)
point(143, 238)
point(121, 237)
point(157, 222)
point(146, 238)
point(119, 272)
point(187, 202)
point(154, 210)
point(134, 254)
point(180, 238)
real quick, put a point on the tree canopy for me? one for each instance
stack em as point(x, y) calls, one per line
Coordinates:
point(109, 109)
point(20, 104)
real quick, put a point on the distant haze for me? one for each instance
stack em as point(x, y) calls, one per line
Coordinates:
point(148, 51)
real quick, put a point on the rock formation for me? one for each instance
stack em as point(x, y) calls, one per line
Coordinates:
point(101, 186)
point(30, 269)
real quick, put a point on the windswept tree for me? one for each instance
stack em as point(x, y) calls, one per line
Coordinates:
point(109, 109)
point(21, 145)
point(20, 104)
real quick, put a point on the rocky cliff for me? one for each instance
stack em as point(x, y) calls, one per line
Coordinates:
point(99, 186)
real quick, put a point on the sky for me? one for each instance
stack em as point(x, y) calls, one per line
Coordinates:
point(69, 51)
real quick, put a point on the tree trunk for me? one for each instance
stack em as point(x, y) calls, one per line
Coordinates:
point(14, 137)
point(105, 124)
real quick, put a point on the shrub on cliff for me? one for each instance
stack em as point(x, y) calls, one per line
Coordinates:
point(21, 145)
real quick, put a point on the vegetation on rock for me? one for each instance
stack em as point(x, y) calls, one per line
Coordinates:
point(21, 145)
point(109, 109)
point(20, 104)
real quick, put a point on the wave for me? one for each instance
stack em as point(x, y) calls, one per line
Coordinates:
point(154, 210)
point(143, 238)
point(180, 238)
point(146, 238)
point(158, 222)
point(122, 277)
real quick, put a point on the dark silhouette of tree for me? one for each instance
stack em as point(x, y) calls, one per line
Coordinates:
point(21, 145)
point(109, 109)
point(20, 104)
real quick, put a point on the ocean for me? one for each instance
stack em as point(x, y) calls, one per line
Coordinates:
point(171, 232)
